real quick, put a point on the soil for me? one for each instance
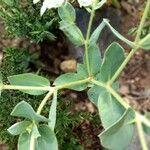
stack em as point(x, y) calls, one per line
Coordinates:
point(134, 81)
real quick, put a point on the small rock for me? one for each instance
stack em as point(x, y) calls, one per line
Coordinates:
point(124, 89)
point(90, 107)
point(69, 65)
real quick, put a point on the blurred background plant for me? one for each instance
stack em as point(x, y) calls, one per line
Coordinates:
point(146, 29)
point(115, 3)
point(22, 19)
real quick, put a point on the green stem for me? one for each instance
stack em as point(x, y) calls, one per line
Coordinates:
point(123, 65)
point(139, 118)
point(144, 17)
point(87, 39)
point(144, 40)
point(144, 120)
point(16, 87)
point(118, 97)
point(141, 133)
point(113, 92)
point(72, 84)
point(32, 143)
point(137, 39)
point(48, 95)
point(58, 88)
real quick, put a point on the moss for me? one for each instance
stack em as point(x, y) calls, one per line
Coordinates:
point(15, 61)
point(22, 19)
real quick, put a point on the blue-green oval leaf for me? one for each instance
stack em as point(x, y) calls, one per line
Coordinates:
point(19, 127)
point(71, 77)
point(47, 140)
point(29, 79)
point(119, 135)
point(113, 58)
point(72, 32)
point(67, 12)
point(23, 109)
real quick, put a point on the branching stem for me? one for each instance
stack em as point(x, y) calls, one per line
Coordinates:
point(141, 132)
point(48, 95)
point(113, 92)
point(53, 89)
point(137, 40)
point(16, 87)
point(87, 40)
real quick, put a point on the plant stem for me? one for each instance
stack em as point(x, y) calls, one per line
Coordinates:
point(144, 120)
point(123, 65)
point(53, 89)
point(139, 31)
point(32, 143)
point(44, 101)
point(46, 88)
point(72, 84)
point(87, 39)
point(141, 133)
point(139, 118)
point(144, 39)
point(113, 92)
point(16, 87)
point(137, 39)
point(118, 97)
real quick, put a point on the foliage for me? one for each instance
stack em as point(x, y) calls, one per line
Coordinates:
point(22, 19)
point(115, 3)
point(145, 30)
point(98, 75)
point(16, 61)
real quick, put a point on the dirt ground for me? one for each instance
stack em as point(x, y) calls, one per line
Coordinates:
point(134, 81)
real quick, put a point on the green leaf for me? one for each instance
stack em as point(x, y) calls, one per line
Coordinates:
point(146, 128)
point(113, 58)
point(71, 77)
point(47, 140)
point(1, 84)
point(82, 70)
point(35, 131)
point(119, 135)
point(117, 34)
point(24, 141)
point(109, 108)
point(29, 79)
point(19, 127)
point(67, 12)
point(74, 77)
point(100, 4)
point(146, 44)
point(94, 58)
point(116, 3)
point(23, 109)
point(95, 91)
point(9, 2)
point(95, 35)
point(52, 112)
point(72, 32)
